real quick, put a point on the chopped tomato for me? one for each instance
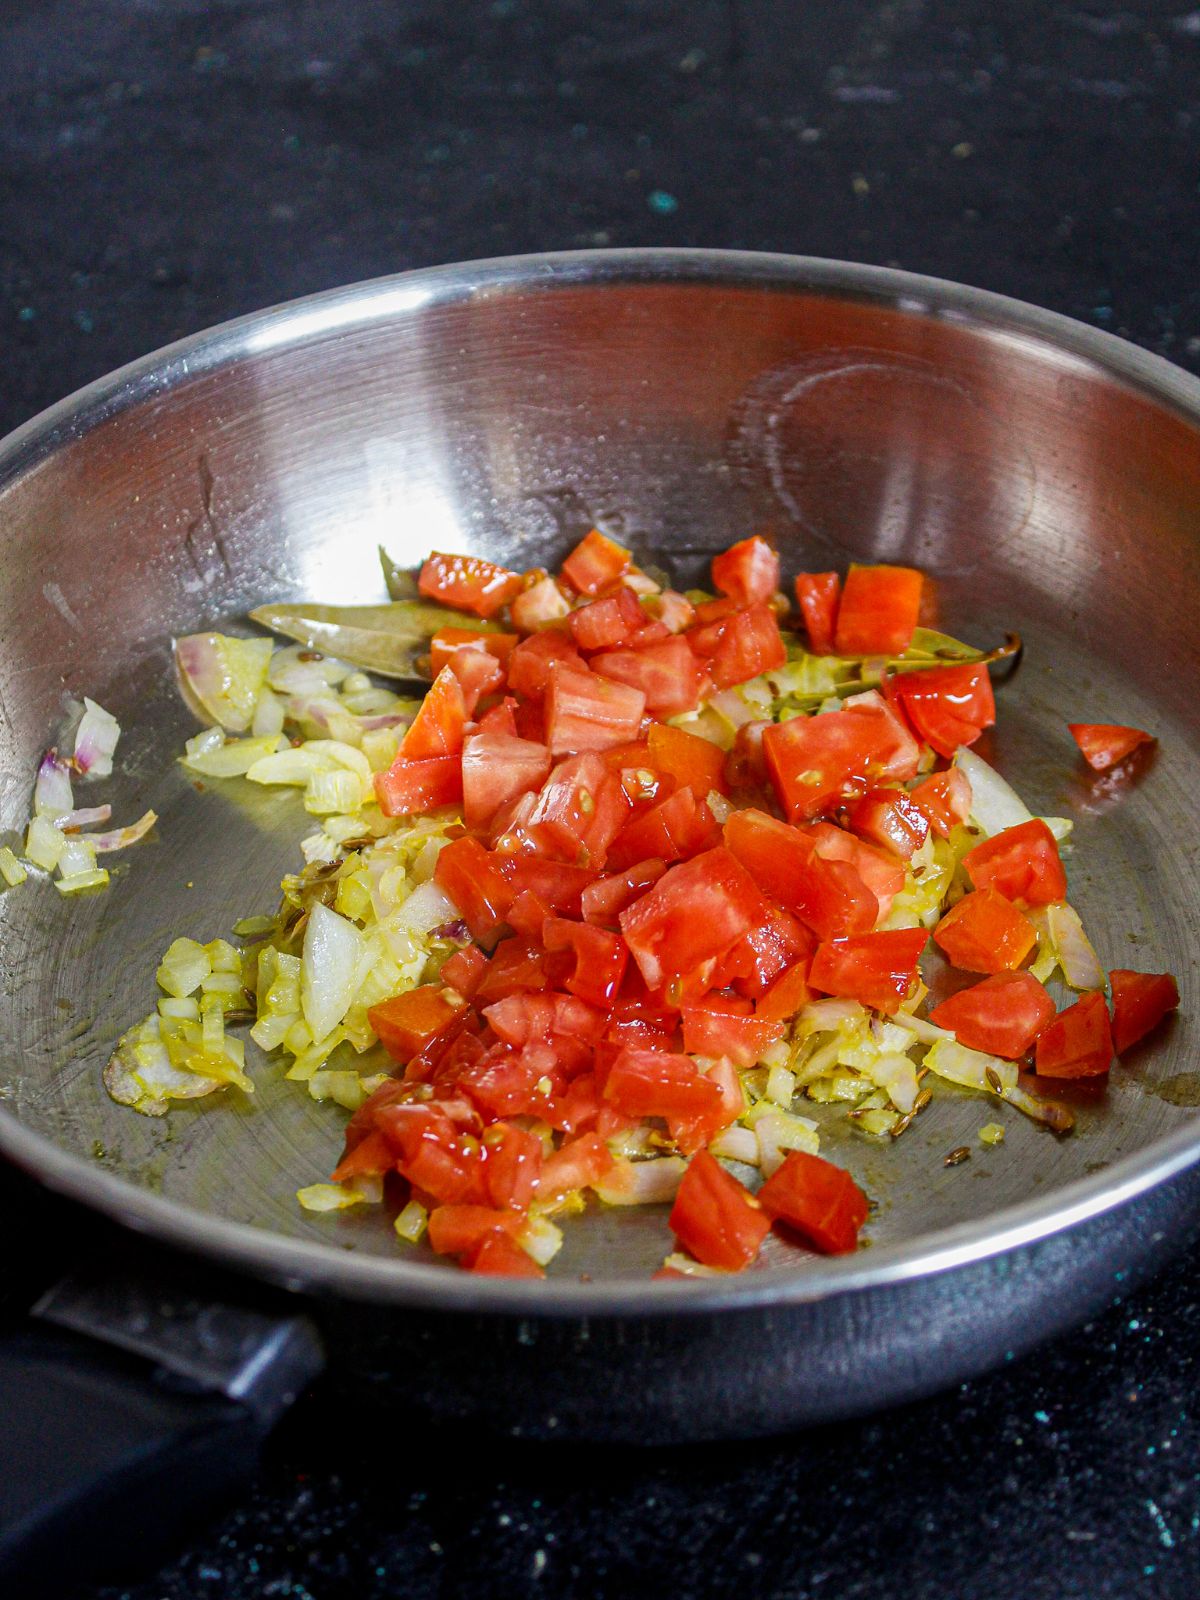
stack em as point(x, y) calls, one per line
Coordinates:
point(1021, 863)
point(878, 869)
point(787, 994)
point(878, 610)
point(512, 1166)
point(456, 1229)
point(1002, 1016)
point(1078, 1043)
point(560, 884)
point(479, 675)
point(407, 1022)
point(595, 562)
point(507, 1083)
point(890, 819)
point(877, 969)
point(817, 596)
point(746, 765)
point(666, 673)
point(695, 1132)
point(649, 633)
point(740, 645)
point(607, 622)
point(985, 932)
point(754, 963)
point(672, 830)
point(448, 644)
point(471, 878)
point(828, 896)
point(605, 898)
point(517, 967)
point(947, 706)
point(500, 718)
point(691, 917)
point(530, 663)
point(579, 811)
point(432, 1153)
point(600, 958)
point(369, 1158)
point(541, 603)
point(694, 763)
point(714, 1028)
point(817, 762)
point(820, 1201)
point(468, 583)
point(527, 914)
point(410, 787)
point(522, 1018)
point(496, 767)
point(716, 1218)
point(463, 970)
point(576, 1165)
point(747, 571)
point(1104, 744)
point(585, 711)
point(1140, 1001)
point(945, 798)
point(498, 1256)
point(656, 1083)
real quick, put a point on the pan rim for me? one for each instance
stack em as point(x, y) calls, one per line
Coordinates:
point(329, 1269)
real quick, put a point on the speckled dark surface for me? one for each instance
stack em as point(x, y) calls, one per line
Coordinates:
point(163, 167)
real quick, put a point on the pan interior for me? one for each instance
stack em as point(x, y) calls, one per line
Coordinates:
point(504, 413)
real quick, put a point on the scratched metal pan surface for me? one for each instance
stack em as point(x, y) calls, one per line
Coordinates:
point(1046, 475)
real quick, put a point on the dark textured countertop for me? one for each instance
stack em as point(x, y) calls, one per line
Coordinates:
point(164, 167)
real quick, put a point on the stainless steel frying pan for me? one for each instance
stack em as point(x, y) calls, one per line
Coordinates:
point(1046, 474)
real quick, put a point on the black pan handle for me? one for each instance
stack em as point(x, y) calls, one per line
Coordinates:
point(128, 1414)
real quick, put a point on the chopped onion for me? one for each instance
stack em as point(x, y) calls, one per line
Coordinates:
point(539, 1238)
point(232, 758)
point(1060, 932)
point(52, 795)
point(332, 951)
point(119, 838)
point(777, 1133)
point(641, 1183)
point(411, 1222)
point(221, 676)
point(426, 908)
point(333, 793)
point(995, 805)
point(295, 669)
point(200, 744)
point(737, 1144)
point(921, 1028)
point(77, 882)
point(731, 705)
point(95, 740)
point(687, 1268)
point(78, 854)
point(183, 968)
point(43, 843)
point(781, 1086)
point(329, 1197)
point(82, 817)
point(268, 715)
point(720, 807)
point(11, 869)
point(140, 1073)
point(895, 1074)
point(970, 1068)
